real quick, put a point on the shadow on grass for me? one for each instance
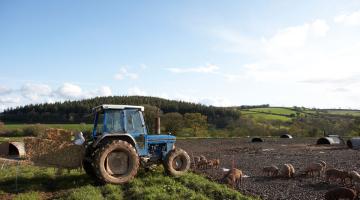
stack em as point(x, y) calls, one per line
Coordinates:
point(45, 183)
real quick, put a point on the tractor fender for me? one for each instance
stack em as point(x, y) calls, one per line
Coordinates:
point(120, 136)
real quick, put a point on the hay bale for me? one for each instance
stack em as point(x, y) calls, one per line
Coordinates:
point(59, 135)
point(46, 152)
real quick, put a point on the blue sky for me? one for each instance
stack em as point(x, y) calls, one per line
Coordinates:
point(223, 53)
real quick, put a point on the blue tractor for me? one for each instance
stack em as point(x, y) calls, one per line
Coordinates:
point(120, 144)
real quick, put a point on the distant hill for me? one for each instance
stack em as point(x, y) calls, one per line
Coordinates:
point(287, 113)
point(80, 111)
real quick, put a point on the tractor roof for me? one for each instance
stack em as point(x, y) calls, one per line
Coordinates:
point(117, 107)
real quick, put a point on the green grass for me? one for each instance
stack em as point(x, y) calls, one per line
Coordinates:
point(42, 183)
point(264, 116)
point(85, 192)
point(211, 189)
point(22, 130)
point(274, 110)
point(274, 113)
point(342, 112)
point(12, 139)
point(63, 126)
point(28, 196)
point(289, 111)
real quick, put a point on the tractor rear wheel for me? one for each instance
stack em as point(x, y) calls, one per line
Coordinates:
point(177, 162)
point(116, 162)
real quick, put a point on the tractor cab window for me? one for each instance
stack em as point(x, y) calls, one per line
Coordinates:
point(114, 121)
point(134, 122)
point(99, 124)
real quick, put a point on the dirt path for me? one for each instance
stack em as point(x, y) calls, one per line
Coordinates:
point(251, 157)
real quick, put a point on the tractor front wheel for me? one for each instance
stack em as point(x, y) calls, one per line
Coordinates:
point(87, 162)
point(89, 169)
point(177, 162)
point(116, 162)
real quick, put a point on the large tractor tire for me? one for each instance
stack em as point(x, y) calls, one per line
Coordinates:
point(177, 162)
point(116, 162)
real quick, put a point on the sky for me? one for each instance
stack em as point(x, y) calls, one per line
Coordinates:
point(221, 53)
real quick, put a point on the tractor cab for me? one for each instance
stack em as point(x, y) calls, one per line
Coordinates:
point(118, 119)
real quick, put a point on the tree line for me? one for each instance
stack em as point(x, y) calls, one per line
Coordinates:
point(190, 119)
point(80, 111)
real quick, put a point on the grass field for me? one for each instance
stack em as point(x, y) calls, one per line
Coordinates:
point(43, 183)
point(275, 113)
point(64, 126)
point(342, 112)
point(274, 110)
point(264, 116)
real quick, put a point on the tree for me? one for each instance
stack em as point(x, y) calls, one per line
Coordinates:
point(172, 122)
point(197, 123)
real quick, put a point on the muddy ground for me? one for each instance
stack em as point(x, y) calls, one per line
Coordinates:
point(251, 157)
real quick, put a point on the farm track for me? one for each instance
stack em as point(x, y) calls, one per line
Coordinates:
point(251, 157)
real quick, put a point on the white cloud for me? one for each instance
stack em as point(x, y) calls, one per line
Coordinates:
point(124, 73)
point(296, 36)
point(319, 27)
point(352, 19)
point(233, 77)
point(222, 102)
point(209, 68)
point(35, 91)
point(338, 80)
point(313, 63)
point(104, 91)
point(143, 66)
point(71, 91)
point(136, 91)
point(287, 38)
point(41, 93)
point(5, 90)
point(294, 54)
point(342, 90)
point(214, 101)
point(9, 100)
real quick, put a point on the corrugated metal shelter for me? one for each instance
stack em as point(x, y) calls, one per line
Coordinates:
point(354, 143)
point(16, 149)
point(257, 139)
point(330, 140)
point(288, 136)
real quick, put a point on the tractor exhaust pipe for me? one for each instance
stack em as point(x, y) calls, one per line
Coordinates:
point(157, 122)
point(157, 125)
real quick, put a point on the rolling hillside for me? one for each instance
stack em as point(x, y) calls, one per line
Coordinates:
point(287, 113)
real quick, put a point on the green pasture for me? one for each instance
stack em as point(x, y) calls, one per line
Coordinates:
point(265, 116)
point(36, 183)
point(274, 110)
point(63, 126)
